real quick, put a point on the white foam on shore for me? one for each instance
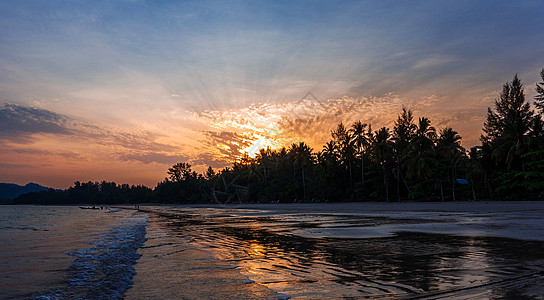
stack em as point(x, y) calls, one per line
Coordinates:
point(105, 270)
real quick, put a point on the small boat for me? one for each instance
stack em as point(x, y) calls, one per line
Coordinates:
point(89, 207)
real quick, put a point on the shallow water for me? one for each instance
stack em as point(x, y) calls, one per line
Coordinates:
point(349, 251)
point(302, 251)
point(52, 252)
point(173, 268)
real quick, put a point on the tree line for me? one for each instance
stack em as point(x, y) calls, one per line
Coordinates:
point(97, 193)
point(411, 161)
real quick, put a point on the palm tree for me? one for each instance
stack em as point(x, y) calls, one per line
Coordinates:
point(474, 166)
point(382, 150)
point(322, 172)
point(425, 134)
point(361, 138)
point(263, 158)
point(330, 151)
point(403, 132)
point(302, 155)
point(449, 147)
point(419, 160)
point(419, 164)
point(345, 146)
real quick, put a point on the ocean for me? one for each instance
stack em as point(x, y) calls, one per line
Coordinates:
point(276, 251)
point(66, 253)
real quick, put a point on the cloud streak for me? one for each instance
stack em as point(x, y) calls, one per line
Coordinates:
point(22, 129)
point(18, 122)
point(24, 124)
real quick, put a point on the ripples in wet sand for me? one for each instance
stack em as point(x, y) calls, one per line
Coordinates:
point(262, 252)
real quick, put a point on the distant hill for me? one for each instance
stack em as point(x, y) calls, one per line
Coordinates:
point(9, 191)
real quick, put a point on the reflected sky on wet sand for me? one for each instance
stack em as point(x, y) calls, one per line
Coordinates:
point(388, 253)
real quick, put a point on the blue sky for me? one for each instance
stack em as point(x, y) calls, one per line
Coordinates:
point(178, 70)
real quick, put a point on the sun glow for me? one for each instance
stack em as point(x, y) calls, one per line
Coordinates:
point(260, 143)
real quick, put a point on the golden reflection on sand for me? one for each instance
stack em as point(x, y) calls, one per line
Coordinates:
point(266, 248)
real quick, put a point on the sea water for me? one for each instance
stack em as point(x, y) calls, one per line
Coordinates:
point(64, 252)
point(442, 250)
point(52, 252)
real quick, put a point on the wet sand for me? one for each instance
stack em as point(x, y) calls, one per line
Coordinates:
point(354, 250)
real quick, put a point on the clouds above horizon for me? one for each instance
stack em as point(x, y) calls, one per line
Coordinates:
point(21, 124)
point(215, 56)
point(221, 139)
point(312, 120)
point(26, 130)
point(151, 83)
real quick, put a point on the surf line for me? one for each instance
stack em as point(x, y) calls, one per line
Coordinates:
point(104, 270)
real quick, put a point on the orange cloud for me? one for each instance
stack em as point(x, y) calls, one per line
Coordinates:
point(311, 120)
point(43, 143)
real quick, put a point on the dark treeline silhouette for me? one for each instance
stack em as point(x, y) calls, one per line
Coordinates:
point(90, 192)
point(411, 161)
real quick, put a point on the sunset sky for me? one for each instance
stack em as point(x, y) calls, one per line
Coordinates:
point(121, 90)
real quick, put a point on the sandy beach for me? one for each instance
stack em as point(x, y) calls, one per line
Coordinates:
point(307, 251)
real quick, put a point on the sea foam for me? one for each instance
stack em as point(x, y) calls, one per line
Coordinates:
point(105, 270)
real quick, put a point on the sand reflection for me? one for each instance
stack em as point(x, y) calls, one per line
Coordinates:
point(286, 253)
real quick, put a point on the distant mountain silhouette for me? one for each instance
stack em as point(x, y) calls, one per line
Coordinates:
point(9, 191)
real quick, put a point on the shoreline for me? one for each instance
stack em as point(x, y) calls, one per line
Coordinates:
point(521, 220)
point(335, 248)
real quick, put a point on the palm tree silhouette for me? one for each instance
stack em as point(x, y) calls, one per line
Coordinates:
point(449, 147)
point(382, 151)
point(345, 146)
point(419, 159)
point(330, 151)
point(403, 132)
point(302, 156)
point(361, 138)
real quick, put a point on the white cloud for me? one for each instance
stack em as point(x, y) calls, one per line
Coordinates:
point(434, 61)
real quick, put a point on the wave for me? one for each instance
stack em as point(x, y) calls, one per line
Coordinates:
point(105, 270)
